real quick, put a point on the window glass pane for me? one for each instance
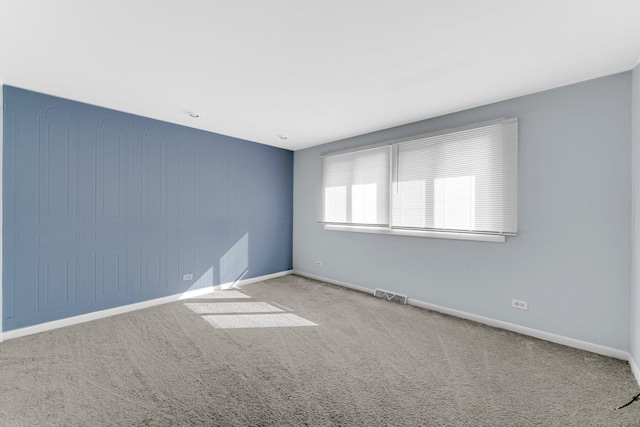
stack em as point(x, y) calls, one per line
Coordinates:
point(356, 187)
point(454, 204)
point(409, 203)
point(460, 181)
point(364, 207)
point(335, 204)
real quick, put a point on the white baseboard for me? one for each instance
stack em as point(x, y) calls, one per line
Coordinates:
point(335, 282)
point(547, 336)
point(43, 327)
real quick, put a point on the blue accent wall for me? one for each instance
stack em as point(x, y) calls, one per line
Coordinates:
point(103, 208)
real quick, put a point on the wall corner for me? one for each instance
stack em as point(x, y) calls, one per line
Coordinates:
point(634, 327)
point(1, 209)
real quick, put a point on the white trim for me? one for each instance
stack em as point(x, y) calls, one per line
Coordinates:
point(547, 336)
point(48, 326)
point(634, 369)
point(536, 333)
point(457, 129)
point(417, 233)
point(335, 282)
point(356, 150)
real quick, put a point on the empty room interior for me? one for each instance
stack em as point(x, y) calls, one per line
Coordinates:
point(330, 213)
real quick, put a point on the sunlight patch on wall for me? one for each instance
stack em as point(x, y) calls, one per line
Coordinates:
point(235, 263)
point(205, 280)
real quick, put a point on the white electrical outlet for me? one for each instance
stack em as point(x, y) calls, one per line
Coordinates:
point(319, 263)
point(186, 277)
point(522, 305)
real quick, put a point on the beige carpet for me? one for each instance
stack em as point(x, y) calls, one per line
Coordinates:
point(319, 355)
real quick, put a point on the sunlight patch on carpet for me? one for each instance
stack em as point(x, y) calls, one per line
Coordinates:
point(223, 295)
point(232, 307)
point(257, 321)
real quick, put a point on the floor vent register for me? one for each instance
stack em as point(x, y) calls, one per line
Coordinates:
point(390, 296)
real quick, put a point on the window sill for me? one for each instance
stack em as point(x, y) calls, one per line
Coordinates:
point(417, 233)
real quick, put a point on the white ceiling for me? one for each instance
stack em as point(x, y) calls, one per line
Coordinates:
point(313, 71)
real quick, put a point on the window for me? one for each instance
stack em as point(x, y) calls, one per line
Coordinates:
point(356, 187)
point(457, 181)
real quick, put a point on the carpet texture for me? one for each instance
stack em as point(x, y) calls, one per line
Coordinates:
point(353, 361)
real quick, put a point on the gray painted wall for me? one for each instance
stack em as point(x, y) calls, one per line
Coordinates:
point(571, 258)
point(635, 197)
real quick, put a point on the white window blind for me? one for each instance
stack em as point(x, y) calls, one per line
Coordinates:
point(356, 188)
point(461, 181)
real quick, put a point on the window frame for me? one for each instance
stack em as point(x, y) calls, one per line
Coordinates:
point(399, 231)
